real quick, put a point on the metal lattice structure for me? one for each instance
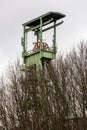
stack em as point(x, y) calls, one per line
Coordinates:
point(41, 52)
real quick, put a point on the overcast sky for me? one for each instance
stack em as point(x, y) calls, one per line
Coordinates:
point(13, 13)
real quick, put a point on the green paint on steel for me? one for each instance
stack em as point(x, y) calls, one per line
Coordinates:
point(43, 52)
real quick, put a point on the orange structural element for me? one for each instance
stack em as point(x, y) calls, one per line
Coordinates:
point(37, 46)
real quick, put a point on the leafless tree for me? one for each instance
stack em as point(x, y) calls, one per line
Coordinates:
point(55, 101)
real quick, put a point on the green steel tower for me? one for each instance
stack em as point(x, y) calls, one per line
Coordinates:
point(41, 53)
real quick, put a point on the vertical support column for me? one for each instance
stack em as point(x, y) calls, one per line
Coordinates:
point(24, 43)
point(25, 39)
point(54, 36)
point(41, 46)
point(41, 32)
point(38, 35)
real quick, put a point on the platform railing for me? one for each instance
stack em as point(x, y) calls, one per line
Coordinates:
point(49, 49)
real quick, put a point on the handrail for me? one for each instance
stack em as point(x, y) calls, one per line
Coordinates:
point(49, 49)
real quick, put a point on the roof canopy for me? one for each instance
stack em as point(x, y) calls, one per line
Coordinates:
point(45, 18)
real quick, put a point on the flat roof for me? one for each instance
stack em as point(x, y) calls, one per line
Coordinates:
point(45, 18)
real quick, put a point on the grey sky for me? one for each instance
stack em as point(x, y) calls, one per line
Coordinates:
point(15, 12)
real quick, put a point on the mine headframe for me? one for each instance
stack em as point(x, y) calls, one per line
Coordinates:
point(41, 51)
